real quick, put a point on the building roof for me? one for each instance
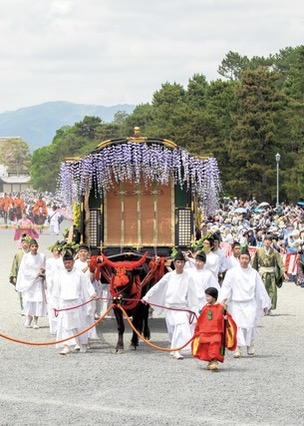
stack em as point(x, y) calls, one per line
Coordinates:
point(5, 138)
point(15, 179)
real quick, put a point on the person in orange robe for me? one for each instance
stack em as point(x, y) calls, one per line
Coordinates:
point(40, 211)
point(215, 330)
point(40, 206)
point(19, 205)
point(6, 204)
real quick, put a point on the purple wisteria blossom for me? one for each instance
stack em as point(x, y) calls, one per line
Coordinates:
point(136, 162)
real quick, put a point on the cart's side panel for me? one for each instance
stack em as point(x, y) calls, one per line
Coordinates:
point(139, 215)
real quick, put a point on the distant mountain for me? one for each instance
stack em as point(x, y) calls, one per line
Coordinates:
point(37, 125)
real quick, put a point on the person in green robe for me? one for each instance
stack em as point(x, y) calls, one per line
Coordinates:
point(268, 262)
point(16, 264)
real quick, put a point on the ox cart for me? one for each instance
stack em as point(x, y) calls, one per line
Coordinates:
point(136, 201)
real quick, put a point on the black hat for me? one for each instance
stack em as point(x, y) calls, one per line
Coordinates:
point(201, 257)
point(245, 251)
point(83, 247)
point(179, 256)
point(69, 249)
point(68, 256)
point(212, 291)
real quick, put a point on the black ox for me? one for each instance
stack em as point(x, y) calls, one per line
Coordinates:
point(129, 281)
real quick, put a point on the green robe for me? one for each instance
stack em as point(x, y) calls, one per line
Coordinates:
point(262, 259)
point(14, 271)
point(16, 265)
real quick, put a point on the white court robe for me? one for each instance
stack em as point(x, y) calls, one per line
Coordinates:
point(31, 286)
point(90, 317)
point(53, 266)
point(174, 291)
point(246, 298)
point(71, 289)
point(213, 263)
point(202, 279)
point(232, 261)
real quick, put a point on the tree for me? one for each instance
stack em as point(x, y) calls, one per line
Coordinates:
point(45, 169)
point(290, 63)
point(15, 155)
point(196, 91)
point(87, 127)
point(254, 139)
point(169, 95)
point(46, 160)
point(222, 105)
point(233, 65)
point(143, 116)
point(120, 118)
point(166, 102)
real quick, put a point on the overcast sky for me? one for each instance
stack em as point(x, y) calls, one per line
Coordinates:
point(107, 52)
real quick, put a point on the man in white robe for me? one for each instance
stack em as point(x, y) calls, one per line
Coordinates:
point(72, 289)
point(221, 254)
point(54, 221)
point(234, 259)
point(202, 279)
point(212, 260)
point(244, 292)
point(53, 265)
point(30, 282)
point(174, 290)
point(82, 263)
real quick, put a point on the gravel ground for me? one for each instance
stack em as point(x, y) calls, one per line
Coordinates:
point(147, 387)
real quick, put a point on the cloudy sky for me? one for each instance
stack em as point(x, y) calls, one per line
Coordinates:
point(107, 52)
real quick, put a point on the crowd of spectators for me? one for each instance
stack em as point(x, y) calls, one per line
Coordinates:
point(247, 222)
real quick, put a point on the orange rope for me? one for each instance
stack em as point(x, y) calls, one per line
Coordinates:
point(147, 341)
point(25, 342)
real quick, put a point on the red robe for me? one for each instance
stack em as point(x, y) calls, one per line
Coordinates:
point(209, 341)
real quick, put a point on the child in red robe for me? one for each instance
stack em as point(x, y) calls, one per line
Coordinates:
point(215, 330)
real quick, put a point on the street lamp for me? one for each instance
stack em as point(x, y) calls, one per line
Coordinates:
point(277, 157)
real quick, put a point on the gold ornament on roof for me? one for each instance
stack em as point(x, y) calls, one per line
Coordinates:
point(137, 132)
